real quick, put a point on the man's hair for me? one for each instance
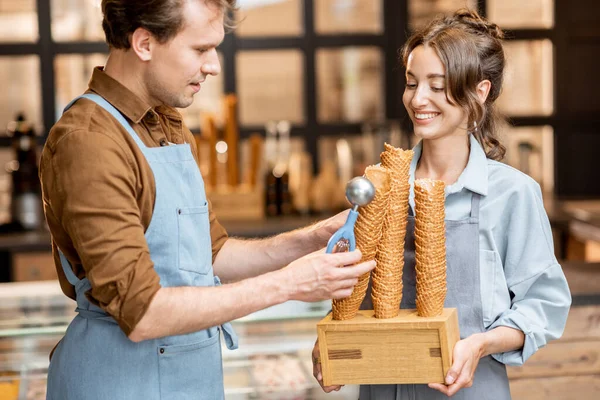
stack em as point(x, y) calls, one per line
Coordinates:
point(162, 18)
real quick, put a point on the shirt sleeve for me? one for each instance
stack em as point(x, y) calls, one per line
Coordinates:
point(538, 288)
point(94, 198)
point(218, 234)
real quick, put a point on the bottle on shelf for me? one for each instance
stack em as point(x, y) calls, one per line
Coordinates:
point(271, 206)
point(281, 170)
point(26, 203)
point(278, 198)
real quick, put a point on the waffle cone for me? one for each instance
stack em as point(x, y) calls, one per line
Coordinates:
point(430, 247)
point(387, 276)
point(367, 231)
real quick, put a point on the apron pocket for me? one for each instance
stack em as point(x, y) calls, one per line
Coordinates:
point(195, 250)
point(191, 371)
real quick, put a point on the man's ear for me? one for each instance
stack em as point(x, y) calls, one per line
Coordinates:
point(141, 43)
point(483, 89)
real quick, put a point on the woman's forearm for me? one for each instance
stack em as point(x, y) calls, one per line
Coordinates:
point(500, 340)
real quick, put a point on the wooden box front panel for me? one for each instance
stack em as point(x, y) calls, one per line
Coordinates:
point(399, 356)
point(404, 349)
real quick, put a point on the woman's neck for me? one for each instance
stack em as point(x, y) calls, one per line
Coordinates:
point(444, 159)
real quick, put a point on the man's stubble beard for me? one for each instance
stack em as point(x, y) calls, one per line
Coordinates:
point(157, 90)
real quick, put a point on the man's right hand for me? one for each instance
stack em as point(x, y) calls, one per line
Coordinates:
point(316, 359)
point(317, 276)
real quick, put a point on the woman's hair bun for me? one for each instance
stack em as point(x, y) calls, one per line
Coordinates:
point(474, 21)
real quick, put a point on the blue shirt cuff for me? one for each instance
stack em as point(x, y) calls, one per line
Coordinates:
point(515, 320)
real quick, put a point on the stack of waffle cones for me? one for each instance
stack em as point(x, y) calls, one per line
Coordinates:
point(430, 243)
point(367, 231)
point(387, 276)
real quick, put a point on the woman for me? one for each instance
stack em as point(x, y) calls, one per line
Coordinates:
point(502, 274)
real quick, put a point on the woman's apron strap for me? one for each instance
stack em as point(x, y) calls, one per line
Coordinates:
point(475, 199)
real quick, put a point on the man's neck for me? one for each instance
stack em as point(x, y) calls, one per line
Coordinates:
point(124, 68)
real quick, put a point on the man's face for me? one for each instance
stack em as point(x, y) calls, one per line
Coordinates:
point(178, 68)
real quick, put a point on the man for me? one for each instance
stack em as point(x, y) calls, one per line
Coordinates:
point(134, 239)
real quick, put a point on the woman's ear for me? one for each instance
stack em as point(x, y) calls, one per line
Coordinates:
point(141, 41)
point(483, 89)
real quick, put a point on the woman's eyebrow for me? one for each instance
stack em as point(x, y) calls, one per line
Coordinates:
point(429, 76)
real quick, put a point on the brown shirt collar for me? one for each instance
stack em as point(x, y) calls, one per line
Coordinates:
point(123, 99)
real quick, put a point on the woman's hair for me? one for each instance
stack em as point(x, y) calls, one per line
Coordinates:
point(471, 50)
point(163, 18)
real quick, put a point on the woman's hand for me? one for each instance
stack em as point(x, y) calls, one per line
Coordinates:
point(316, 359)
point(466, 355)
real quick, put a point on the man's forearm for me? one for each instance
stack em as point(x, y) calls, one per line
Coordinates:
point(180, 310)
point(240, 259)
point(316, 277)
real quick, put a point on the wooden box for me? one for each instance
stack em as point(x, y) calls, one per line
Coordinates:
point(35, 266)
point(239, 204)
point(404, 349)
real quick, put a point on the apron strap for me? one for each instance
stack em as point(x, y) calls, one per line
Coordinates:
point(68, 269)
point(231, 338)
point(81, 285)
point(112, 111)
point(475, 198)
point(71, 104)
point(98, 315)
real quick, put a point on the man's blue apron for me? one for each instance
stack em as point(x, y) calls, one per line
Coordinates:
point(95, 360)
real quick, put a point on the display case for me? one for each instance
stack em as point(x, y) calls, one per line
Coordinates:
point(273, 360)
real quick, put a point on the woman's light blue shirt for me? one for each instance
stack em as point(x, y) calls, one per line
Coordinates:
point(522, 284)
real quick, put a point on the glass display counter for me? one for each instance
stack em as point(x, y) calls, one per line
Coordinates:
point(273, 360)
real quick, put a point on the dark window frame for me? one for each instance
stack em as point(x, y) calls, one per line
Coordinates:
point(395, 32)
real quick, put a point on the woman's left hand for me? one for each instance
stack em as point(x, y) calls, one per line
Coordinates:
point(466, 355)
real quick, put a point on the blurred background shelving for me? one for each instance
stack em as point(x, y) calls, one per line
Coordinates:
point(309, 91)
point(328, 66)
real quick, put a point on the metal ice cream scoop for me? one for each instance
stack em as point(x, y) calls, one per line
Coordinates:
point(359, 192)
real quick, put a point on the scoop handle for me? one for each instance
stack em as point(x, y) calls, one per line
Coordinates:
point(345, 232)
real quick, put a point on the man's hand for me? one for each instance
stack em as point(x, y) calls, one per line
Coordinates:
point(323, 230)
point(318, 276)
point(316, 360)
point(466, 355)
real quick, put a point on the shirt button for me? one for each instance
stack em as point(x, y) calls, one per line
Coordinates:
point(163, 142)
point(162, 350)
point(151, 118)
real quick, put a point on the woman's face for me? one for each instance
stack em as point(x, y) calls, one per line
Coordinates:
point(425, 99)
